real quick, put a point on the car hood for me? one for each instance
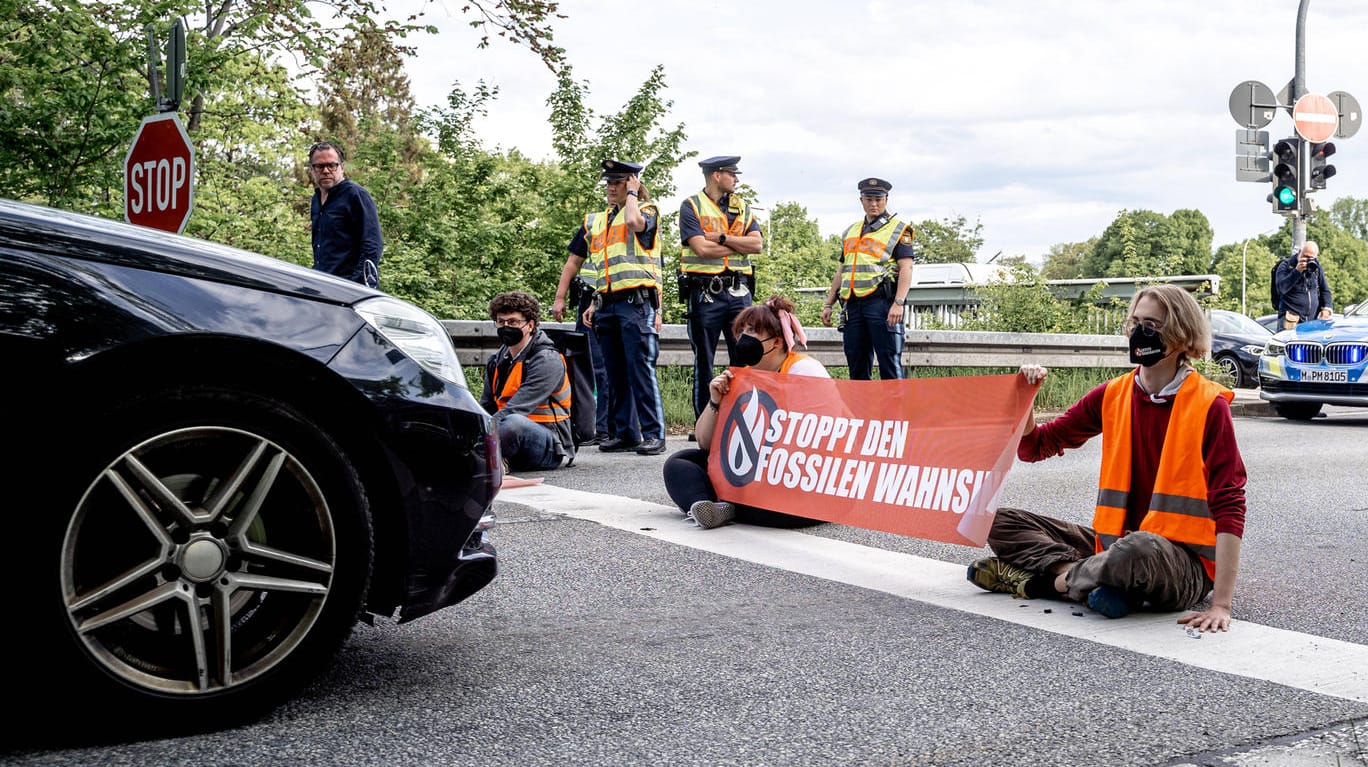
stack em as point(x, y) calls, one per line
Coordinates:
point(1328, 331)
point(142, 248)
point(1242, 339)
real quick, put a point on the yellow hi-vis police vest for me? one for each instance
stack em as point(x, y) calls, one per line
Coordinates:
point(1178, 508)
point(713, 219)
point(555, 408)
point(865, 258)
point(622, 261)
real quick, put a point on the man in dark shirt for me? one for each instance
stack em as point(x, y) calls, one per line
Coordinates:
point(1303, 292)
point(346, 229)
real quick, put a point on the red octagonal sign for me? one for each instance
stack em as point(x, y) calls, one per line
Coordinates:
point(158, 173)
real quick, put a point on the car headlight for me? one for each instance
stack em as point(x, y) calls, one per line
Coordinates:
point(1254, 349)
point(416, 333)
point(1274, 348)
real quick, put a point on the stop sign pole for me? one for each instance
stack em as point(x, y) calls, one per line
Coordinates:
point(159, 169)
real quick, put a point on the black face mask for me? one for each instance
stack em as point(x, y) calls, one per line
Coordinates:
point(510, 336)
point(1146, 346)
point(749, 351)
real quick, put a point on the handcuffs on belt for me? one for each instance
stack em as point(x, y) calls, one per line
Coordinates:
point(716, 285)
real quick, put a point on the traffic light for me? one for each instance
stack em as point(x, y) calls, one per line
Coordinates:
point(1286, 183)
point(1320, 168)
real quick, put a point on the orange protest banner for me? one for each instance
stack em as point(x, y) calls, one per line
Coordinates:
point(924, 457)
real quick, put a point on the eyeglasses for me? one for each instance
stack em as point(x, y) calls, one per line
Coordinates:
point(322, 166)
point(509, 323)
point(1148, 327)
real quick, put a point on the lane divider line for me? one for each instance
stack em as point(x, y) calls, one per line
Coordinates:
point(1303, 661)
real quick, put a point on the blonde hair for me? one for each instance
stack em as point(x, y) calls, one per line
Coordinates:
point(1186, 327)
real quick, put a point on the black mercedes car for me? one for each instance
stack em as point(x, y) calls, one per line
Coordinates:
point(222, 462)
point(1236, 344)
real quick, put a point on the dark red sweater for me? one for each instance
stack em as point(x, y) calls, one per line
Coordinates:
point(1149, 422)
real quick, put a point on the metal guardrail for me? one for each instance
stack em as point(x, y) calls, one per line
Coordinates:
point(475, 341)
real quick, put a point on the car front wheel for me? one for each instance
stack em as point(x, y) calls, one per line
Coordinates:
point(217, 556)
point(1230, 364)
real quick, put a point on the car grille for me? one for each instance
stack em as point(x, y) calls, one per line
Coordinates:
point(1321, 389)
point(1311, 353)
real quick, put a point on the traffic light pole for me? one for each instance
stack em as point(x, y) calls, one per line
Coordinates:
point(1298, 87)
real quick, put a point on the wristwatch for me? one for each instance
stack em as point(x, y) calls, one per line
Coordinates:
point(722, 238)
point(901, 302)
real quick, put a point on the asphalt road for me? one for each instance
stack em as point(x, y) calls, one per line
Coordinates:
point(618, 634)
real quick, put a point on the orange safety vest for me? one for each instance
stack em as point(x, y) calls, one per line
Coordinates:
point(1178, 508)
point(621, 262)
point(712, 219)
point(791, 360)
point(555, 408)
point(865, 257)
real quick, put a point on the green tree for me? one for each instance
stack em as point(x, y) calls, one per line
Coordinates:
point(795, 256)
point(1065, 260)
point(71, 96)
point(1257, 262)
point(1351, 215)
point(949, 240)
point(1143, 243)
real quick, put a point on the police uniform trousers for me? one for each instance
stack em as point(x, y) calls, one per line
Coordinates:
point(868, 335)
point(602, 421)
point(627, 335)
point(708, 319)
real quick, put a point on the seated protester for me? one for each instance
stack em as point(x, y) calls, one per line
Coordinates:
point(765, 340)
point(527, 388)
point(1170, 508)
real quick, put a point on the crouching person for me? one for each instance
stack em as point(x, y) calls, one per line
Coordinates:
point(527, 388)
point(1170, 498)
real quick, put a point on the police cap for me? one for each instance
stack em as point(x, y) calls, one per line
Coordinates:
point(722, 163)
point(874, 187)
point(617, 170)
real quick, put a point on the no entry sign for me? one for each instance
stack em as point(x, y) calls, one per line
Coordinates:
point(158, 173)
point(1315, 117)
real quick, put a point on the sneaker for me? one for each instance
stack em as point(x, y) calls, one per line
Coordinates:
point(992, 574)
point(1109, 601)
point(710, 514)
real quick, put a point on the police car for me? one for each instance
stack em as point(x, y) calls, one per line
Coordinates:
point(1317, 363)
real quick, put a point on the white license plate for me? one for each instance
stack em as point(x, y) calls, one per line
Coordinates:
point(1325, 376)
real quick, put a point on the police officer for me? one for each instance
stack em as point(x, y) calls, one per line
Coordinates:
point(719, 233)
point(625, 313)
point(578, 283)
point(875, 275)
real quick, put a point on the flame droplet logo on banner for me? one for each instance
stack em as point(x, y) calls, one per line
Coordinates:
point(743, 435)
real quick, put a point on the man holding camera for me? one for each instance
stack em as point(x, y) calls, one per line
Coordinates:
point(1303, 292)
point(873, 280)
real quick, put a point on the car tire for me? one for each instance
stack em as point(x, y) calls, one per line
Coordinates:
point(1231, 364)
point(211, 557)
point(1297, 411)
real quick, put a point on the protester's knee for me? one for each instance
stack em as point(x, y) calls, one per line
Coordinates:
point(1005, 520)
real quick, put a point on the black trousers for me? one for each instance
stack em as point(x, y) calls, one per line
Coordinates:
point(686, 480)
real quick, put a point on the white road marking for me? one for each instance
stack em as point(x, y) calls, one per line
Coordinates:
point(1317, 664)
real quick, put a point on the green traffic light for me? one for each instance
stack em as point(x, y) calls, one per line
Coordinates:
point(1286, 195)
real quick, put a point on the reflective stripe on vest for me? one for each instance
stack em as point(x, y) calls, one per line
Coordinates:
point(865, 258)
point(556, 408)
point(622, 261)
point(712, 219)
point(1178, 508)
point(790, 360)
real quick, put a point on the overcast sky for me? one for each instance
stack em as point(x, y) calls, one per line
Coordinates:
point(1041, 119)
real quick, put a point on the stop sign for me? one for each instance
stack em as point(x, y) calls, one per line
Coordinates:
point(158, 169)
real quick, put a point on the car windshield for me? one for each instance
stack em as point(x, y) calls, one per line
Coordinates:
point(1357, 310)
point(1234, 322)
